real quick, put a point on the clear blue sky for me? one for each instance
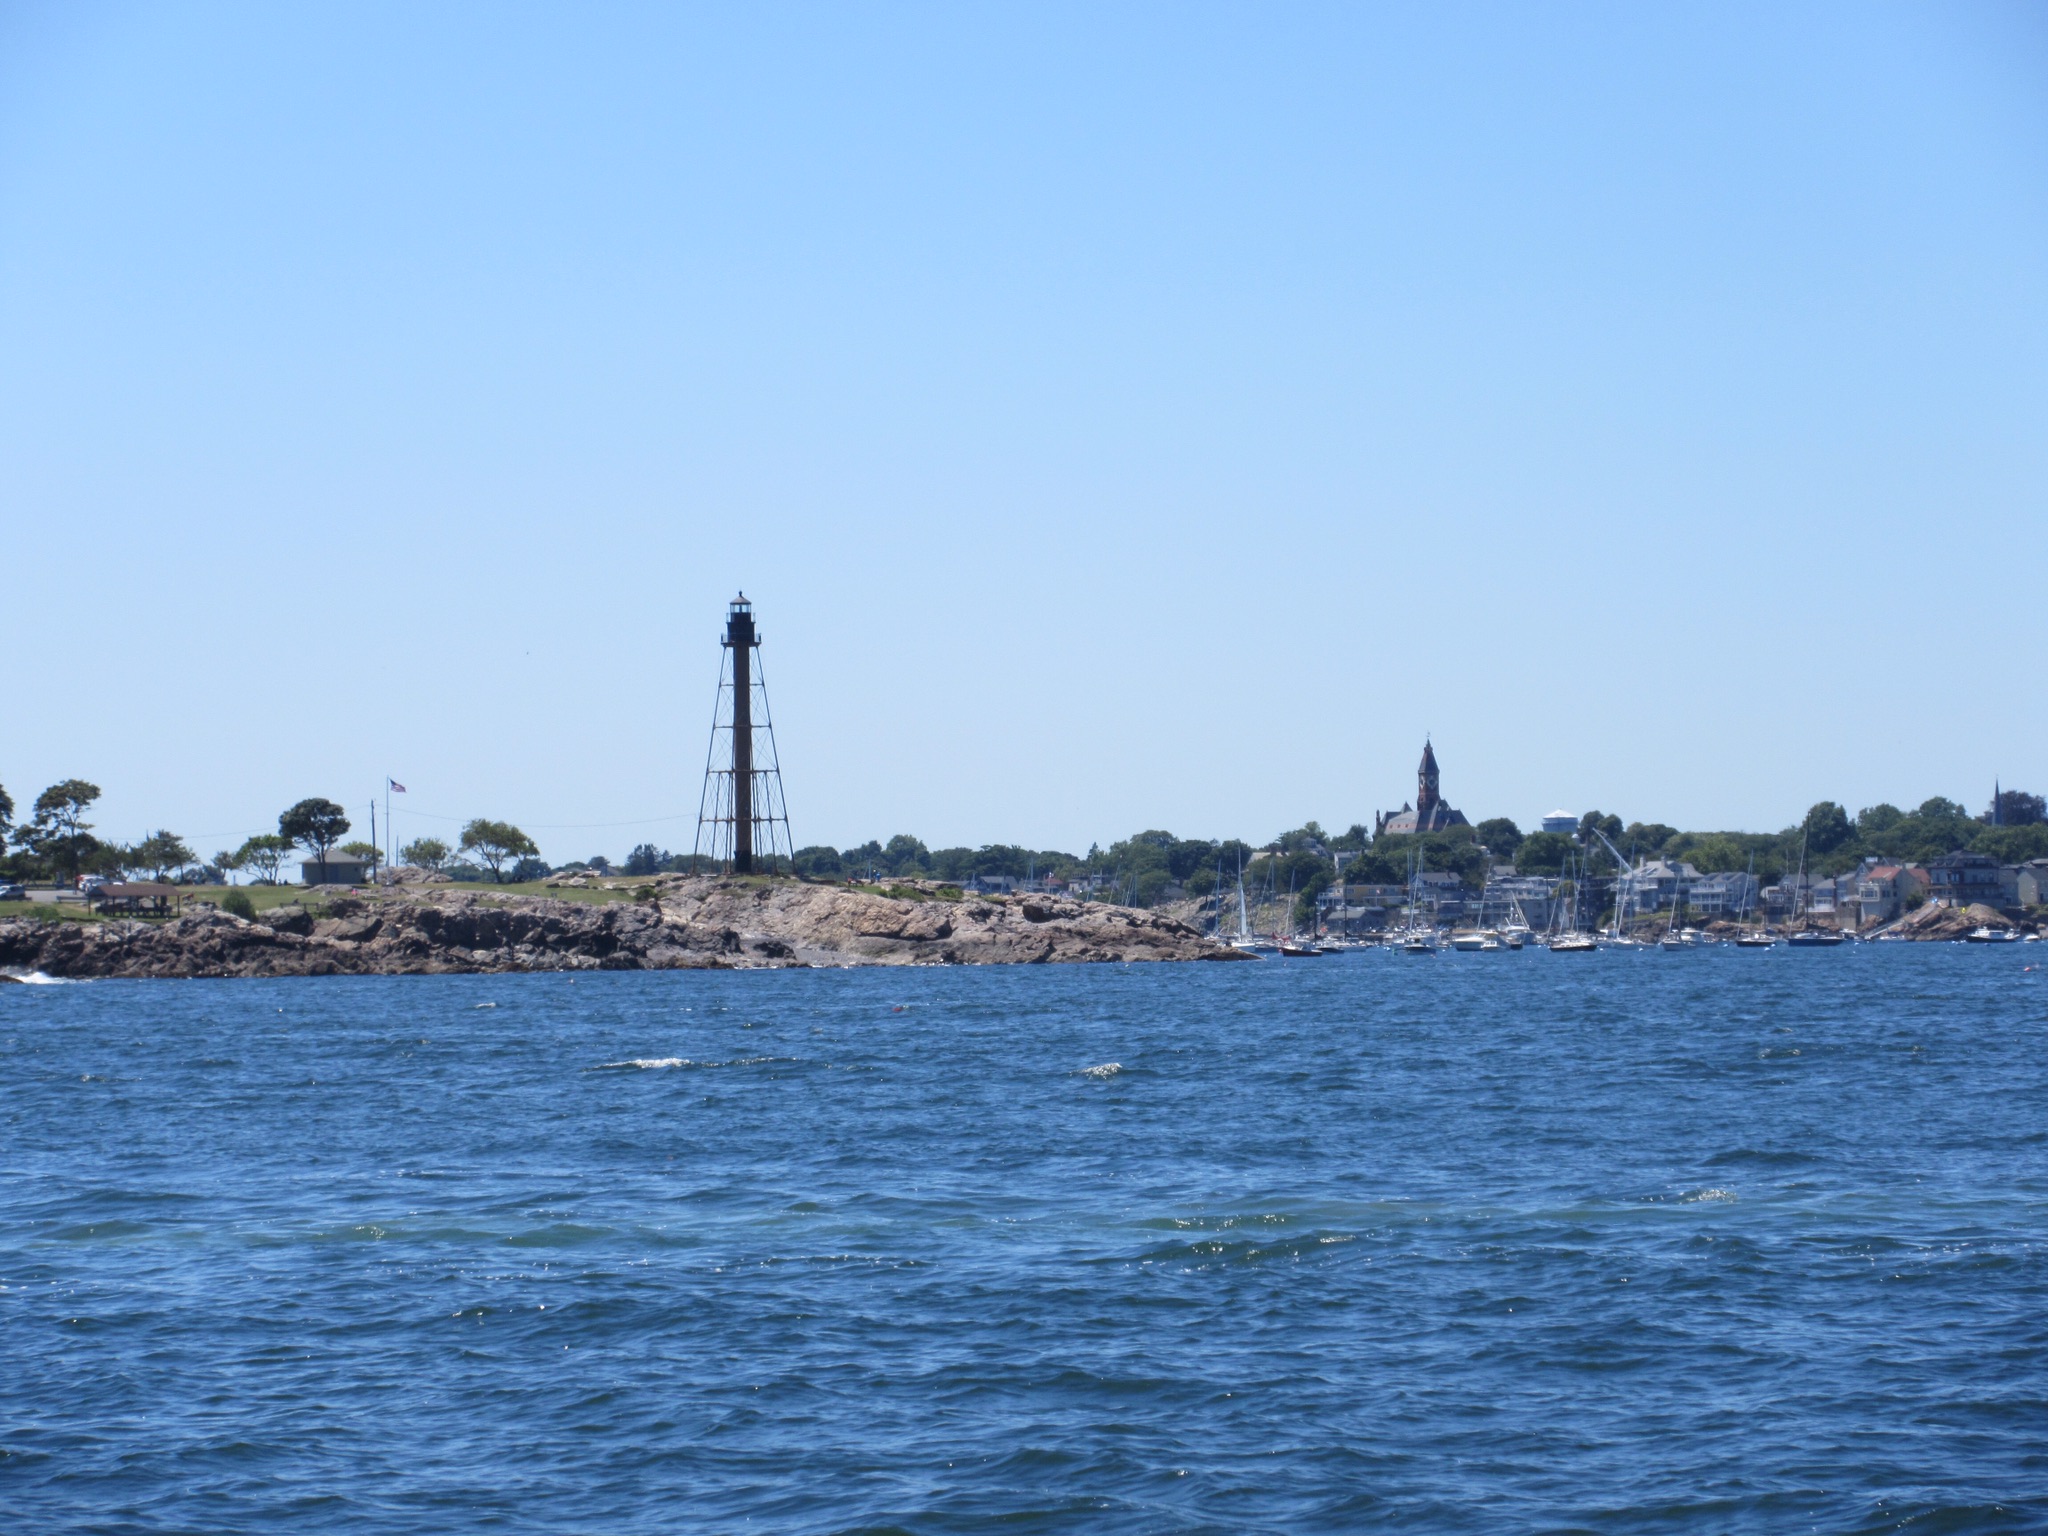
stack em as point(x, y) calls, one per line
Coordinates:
point(1123, 416)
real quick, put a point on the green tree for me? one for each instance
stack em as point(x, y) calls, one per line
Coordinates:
point(497, 843)
point(2014, 845)
point(2011, 808)
point(1501, 836)
point(1647, 837)
point(369, 853)
point(425, 853)
point(318, 825)
point(1826, 827)
point(1544, 853)
point(161, 853)
point(1593, 821)
point(59, 832)
point(264, 854)
point(645, 859)
point(818, 862)
point(905, 855)
point(6, 814)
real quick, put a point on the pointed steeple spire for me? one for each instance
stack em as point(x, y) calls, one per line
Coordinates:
point(1426, 795)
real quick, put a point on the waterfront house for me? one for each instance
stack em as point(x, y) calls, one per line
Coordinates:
point(1657, 884)
point(1443, 892)
point(1958, 879)
point(1883, 891)
point(2030, 883)
point(1533, 894)
point(1722, 895)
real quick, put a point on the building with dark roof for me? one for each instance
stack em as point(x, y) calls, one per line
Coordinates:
point(338, 869)
point(1429, 813)
point(1958, 879)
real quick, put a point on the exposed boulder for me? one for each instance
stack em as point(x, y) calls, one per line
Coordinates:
point(1934, 923)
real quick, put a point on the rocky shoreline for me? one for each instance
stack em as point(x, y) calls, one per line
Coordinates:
point(678, 923)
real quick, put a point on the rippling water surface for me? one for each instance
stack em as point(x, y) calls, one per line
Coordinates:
point(1718, 1242)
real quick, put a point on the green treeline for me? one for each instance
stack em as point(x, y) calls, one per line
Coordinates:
point(1151, 866)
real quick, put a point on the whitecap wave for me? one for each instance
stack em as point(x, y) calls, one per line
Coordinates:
point(34, 978)
point(646, 1063)
point(1107, 1069)
point(1698, 1195)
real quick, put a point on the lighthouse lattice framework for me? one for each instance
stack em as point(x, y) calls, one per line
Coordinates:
point(742, 820)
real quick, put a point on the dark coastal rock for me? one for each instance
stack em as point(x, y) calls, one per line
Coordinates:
point(692, 924)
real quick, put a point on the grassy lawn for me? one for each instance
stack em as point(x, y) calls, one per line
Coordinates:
point(266, 897)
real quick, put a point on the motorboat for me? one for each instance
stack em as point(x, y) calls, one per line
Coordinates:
point(1814, 938)
point(1989, 935)
point(1756, 941)
point(1573, 944)
point(1474, 939)
point(1418, 944)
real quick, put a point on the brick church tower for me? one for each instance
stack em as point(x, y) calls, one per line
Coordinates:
point(1427, 796)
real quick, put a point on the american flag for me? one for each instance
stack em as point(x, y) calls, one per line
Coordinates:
point(396, 786)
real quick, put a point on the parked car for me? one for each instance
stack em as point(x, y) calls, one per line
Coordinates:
point(9, 891)
point(87, 884)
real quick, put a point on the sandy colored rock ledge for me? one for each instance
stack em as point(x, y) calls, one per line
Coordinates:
point(688, 924)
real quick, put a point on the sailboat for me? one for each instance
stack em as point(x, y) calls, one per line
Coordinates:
point(1516, 932)
point(1418, 940)
point(1674, 936)
point(1481, 938)
point(1568, 940)
point(1761, 939)
point(1808, 937)
point(1293, 945)
point(1246, 942)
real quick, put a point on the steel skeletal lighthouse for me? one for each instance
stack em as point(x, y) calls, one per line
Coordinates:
point(742, 823)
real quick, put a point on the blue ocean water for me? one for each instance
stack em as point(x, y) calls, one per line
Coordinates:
point(1726, 1241)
